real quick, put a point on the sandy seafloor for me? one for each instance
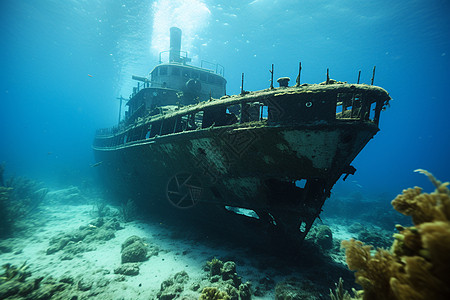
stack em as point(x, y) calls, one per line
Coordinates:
point(173, 251)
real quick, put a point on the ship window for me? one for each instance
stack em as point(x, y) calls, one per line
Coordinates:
point(203, 76)
point(199, 119)
point(163, 70)
point(168, 126)
point(232, 113)
point(125, 139)
point(302, 227)
point(242, 211)
point(264, 112)
point(372, 111)
point(155, 129)
point(184, 122)
point(176, 71)
point(300, 183)
point(178, 125)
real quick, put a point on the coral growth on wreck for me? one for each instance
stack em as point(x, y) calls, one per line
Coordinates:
point(418, 264)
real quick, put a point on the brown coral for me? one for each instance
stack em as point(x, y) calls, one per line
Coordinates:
point(418, 263)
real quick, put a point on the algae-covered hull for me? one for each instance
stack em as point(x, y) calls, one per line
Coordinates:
point(264, 173)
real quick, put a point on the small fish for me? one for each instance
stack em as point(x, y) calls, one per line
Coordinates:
point(96, 164)
point(90, 76)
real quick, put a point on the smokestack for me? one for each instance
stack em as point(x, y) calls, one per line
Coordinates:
point(175, 44)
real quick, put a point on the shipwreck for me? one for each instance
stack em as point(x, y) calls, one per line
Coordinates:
point(261, 162)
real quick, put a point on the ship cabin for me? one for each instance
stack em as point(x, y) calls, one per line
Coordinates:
point(175, 83)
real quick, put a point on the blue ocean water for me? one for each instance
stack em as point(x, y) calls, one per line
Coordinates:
point(64, 63)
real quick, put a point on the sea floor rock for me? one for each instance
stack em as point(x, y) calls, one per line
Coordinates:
point(134, 250)
point(130, 269)
point(173, 287)
point(79, 241)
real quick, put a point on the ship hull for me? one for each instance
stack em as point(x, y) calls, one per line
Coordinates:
point(273, 179)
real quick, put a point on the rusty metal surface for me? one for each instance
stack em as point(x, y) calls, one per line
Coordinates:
point(251, 164)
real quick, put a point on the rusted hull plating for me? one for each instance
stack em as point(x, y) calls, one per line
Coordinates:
point(274, 179)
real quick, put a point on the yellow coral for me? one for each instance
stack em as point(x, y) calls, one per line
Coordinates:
point(417, 267)
point(212, 293)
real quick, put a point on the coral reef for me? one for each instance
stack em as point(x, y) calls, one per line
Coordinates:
point(339, 292)
point(223, 276)
point(19, 197)
point(215, 265)
point(220, 282)
point(418, 264)
point(212, 293)
point(173, 287)
point(18, 283)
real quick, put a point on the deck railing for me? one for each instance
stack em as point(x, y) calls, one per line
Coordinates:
point(288, 109)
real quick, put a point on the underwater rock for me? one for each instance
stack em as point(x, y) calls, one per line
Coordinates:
point(130, 240)
point(214, 266)
point(173, 287)
point(224, 277)
point(85, 284)
point(78, 241)
point(102, 282)
point(355, 228)
point(134, 250)
point(231, 291)
point(245, 291)
point(14, 285)
point(228, 272)
point(195, 286)
point(130, 269)
point(324, 237)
